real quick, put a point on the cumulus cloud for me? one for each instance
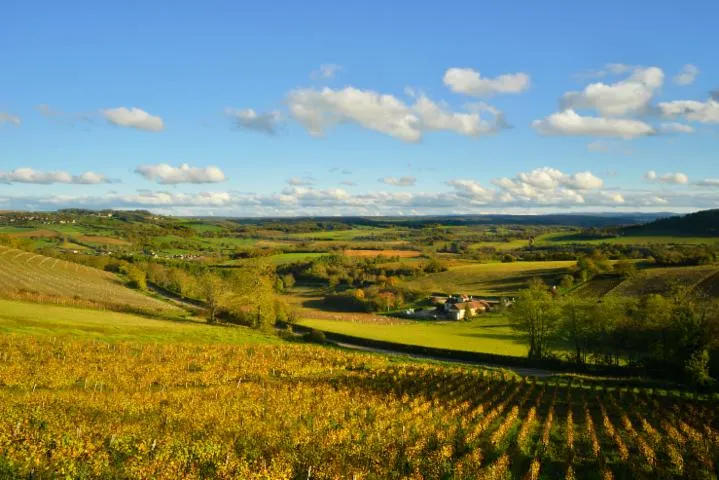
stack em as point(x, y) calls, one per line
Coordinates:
point(399, 182)
point(676, 178)
point(326, 70)
point(692, 110)
point(435, 117)
point(472, 189)
point(687, 75)
point(247, 118)
point(675, 127)
point(570, 123)
point(540, 190)
point(9, 118)
point(165, 174)
point(301, 181)
point(470, 82)
point(28, 175)
point(542, 186)
point(320, 110)
point(133, 118)
point(628, 96)
point(549, 179)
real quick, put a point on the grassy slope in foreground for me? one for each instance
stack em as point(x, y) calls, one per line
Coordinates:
point(493, 279)
point(51, 320)
point(473, 336)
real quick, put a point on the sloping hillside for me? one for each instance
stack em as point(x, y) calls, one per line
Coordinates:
point(705, 222)
point(58, 281)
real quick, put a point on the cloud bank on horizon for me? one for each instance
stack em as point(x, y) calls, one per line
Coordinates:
point(497, 132)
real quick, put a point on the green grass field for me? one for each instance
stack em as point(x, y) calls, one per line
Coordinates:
point(492, 279)
point(51, 320)
point(489, 334)
point(564, 238)
point(343, 234)
point(501, 246)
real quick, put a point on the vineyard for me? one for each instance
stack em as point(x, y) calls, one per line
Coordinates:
point(292, 411)
point(25, 275)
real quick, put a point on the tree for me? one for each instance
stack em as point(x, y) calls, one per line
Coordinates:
point(215, 291)
point(137, 277)
point(625, 268)
point(536, 314)
point(288, 280)
point(576, 326)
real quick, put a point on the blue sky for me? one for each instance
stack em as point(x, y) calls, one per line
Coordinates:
point(286, 108)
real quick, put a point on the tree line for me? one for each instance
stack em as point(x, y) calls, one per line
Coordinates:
point(676, 335)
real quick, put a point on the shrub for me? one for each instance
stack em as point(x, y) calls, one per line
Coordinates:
point(314, 336)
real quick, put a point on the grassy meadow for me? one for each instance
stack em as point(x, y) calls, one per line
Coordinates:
point(490, 279)
point(488, 334)
point(25, 318)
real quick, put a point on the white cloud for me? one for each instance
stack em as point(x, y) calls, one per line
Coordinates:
point(301, 181)
point(675, 127)
point(28, 175)
point(9, 118)
point(550, 179)
point(540, 191)
point(259, 122)
point(319, 110)
point(470, 82)
point(691, 110)
point(434, 117)
point(327, 70)
point(622, 98)
point(166, 174)
point(687, 75)
point(399, 182)
point(570, 123)
point(133, 118)
point(676, 178)
point(472, 189)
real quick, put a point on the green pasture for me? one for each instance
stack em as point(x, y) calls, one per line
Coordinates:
point(491, 279)
point(564, 238)
point(50, 320)
point(490, 334)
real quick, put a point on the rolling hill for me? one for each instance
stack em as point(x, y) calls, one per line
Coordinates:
point(25, 274)
point(705, 222)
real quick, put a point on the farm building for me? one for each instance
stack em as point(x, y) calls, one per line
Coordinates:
point(456, 306)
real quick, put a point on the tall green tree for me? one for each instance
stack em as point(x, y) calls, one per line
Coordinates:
point(536, 314)
point(576, 326)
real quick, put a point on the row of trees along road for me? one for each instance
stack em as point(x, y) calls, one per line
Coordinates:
point(677, 334)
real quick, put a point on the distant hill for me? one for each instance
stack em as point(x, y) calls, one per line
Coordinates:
point(704, 223)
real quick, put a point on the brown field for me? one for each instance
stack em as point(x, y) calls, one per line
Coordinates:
point(102, 240)
point(386, 253)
